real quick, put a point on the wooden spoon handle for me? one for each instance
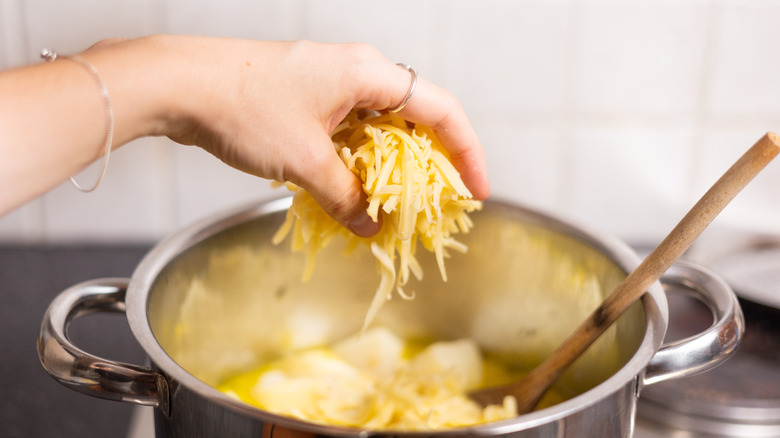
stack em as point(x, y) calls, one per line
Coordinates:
point(531, 388)
point(688, 229)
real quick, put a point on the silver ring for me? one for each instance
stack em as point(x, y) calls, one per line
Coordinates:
point(412, 86)
point(49, 55)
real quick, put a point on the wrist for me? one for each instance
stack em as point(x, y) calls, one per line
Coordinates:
point(145, 84)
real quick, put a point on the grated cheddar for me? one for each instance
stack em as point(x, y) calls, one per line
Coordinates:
point(409, 182)
point(376, 381)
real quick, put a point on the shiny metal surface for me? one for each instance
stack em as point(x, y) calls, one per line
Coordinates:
point(84, 372)
point(740, 398)
point(516, 279)
point(709, 348)
point(217, 298)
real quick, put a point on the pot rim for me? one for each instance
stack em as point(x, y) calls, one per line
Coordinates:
point(654, 304)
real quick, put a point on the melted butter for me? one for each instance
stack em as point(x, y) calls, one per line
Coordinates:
point(320, 386)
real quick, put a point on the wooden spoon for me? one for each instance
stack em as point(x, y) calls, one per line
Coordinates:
point(530, 389)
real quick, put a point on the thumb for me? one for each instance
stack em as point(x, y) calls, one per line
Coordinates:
point(338, 191)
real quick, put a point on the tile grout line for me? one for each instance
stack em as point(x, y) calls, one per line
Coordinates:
point(699, 124)
point(567, 113)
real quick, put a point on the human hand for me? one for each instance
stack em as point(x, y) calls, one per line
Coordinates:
point(267, 108)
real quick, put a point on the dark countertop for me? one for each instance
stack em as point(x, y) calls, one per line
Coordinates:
point(32, 403)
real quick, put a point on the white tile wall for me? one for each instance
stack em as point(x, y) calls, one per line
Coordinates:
point(745, 67)
point(629, 179)
point(75, 25)
point(505, 59)
point(24, 224)
point(617, 114)
point(202, 185)
point(132, 203)
point(269, 20)
point(639, 57)
point(523, 164)
point(12, 43)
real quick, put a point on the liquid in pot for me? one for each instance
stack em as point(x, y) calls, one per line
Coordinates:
point(378, 381)
point(235, 302)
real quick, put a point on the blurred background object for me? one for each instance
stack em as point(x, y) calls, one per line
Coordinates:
point(613, 114)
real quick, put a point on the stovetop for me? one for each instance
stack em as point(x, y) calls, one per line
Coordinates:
point(32, 403)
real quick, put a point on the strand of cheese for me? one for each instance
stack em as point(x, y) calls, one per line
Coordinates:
point(373, 381)
point(409, 181)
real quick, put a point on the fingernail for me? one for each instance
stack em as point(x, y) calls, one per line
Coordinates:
point(363, 225)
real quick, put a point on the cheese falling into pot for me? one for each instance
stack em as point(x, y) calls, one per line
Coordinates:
point(409, 182)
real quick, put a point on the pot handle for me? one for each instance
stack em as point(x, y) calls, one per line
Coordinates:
point(83, 372)
point(709, 348)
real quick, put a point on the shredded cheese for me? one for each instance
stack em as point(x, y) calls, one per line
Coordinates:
point(409, 182)
point(374, 381)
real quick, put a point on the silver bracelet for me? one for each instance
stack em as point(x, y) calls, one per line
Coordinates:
point(50, 55)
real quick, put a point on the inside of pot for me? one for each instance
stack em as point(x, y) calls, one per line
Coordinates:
point(235, 301)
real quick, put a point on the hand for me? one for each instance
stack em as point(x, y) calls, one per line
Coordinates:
point(268, 109)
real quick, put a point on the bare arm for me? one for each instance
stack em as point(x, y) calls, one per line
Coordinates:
point(266, 108)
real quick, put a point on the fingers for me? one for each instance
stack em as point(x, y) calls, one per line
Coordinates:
point(338, 191)
point(432, 106)
point(439, 109)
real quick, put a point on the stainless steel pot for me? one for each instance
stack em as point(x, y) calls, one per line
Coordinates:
point(217, 298)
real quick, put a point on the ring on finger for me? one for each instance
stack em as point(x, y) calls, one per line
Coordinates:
point(409, 92)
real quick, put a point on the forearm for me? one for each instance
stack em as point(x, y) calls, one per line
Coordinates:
point(53, 120)
point(266, 108)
